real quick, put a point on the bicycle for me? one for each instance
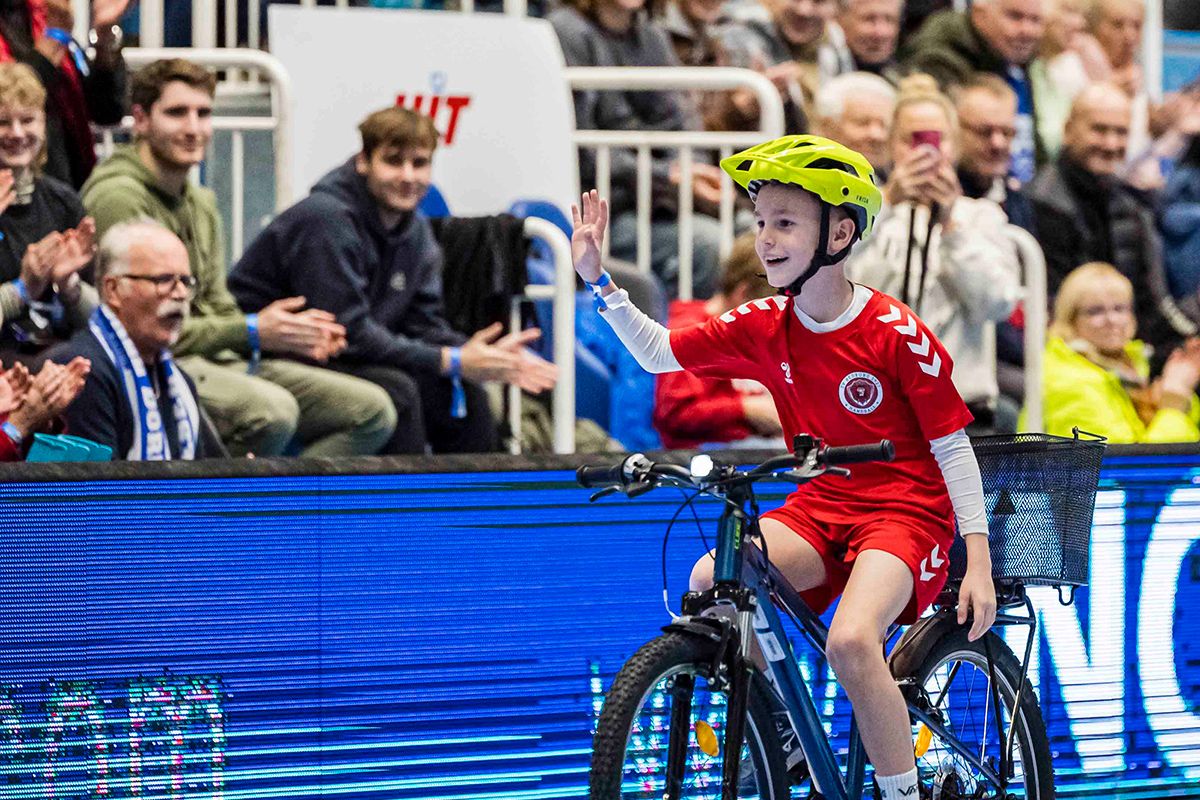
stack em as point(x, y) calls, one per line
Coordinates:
point(690, 716)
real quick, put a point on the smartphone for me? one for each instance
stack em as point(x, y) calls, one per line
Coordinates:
point(927, 137)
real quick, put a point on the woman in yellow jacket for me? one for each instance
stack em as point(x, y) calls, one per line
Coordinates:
point(1096, 375)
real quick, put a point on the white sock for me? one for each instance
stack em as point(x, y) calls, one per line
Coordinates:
point(898, 787)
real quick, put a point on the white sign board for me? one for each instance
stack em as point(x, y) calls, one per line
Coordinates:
point(493, 85)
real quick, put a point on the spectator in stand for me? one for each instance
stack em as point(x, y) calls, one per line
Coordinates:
point(690, 410)
point(1180, 223)
point(987, 125)
point(607, 33)
point(360, 249)
point(258, 404)
point(45, 240)
point(80, 91)
point(1069, 60)
point(32, 404)
point(791, 45)
point(856, 109)
point(692, 26)
point(1097, 376)
point(997, 36)
point(872, 31)
point(987, 113)
point(137, 400)
point(1085, 213)
point(943, 254)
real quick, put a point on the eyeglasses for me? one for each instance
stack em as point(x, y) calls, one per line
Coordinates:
point(988, 131)
point(165, 284)
point(1122, 309)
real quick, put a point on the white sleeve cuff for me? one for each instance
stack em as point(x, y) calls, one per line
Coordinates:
point(649, 342)
point(960, 470)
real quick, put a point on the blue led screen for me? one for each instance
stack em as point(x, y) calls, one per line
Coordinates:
point(449, 636)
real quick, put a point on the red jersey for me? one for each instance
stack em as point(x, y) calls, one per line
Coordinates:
point(881, 376)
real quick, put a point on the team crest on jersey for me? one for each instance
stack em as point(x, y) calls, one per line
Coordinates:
point(860, 392)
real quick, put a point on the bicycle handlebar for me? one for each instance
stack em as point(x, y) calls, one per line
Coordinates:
point(637, 471)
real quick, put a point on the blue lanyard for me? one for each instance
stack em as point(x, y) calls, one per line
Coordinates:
point(77, 54)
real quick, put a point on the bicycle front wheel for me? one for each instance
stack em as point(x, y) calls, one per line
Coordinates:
point(667, 697)
point(958, 685)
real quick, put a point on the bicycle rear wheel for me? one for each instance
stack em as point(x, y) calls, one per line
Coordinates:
point(957, 682)
point(664, 696)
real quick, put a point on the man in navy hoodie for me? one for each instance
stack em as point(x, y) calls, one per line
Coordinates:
point(358, 247)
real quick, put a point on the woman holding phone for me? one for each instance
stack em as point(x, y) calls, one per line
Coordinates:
point(947, 256)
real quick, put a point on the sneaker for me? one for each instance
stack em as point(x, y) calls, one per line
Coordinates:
point(797, 766)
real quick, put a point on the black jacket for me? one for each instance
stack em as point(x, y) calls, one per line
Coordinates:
point(1083, 218)
point(384, 285)
point(102, 411)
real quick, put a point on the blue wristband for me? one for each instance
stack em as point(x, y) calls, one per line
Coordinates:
point(597, 298)
point(458, 395)
point(255, 343)
point(22, 292)
point(12, 432)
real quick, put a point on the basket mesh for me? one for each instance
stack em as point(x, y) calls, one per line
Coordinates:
point(1039, 492)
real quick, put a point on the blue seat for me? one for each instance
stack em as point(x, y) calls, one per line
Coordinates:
point(433, 204)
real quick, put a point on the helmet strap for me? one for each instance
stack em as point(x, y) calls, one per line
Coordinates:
point(822, 257)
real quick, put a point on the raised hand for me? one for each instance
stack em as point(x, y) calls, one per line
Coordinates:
point(587, 241)
point(52, 390)
point(38, 261)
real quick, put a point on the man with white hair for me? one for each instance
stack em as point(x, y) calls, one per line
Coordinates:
point(856, 110)
point(1085, 213)
point(871, 29)
point(1000, 37)
point(137, 400)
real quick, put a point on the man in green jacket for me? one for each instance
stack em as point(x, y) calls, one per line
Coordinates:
point(258, 404)
point(996, 36)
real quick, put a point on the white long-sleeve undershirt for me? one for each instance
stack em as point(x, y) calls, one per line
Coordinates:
point(650, 343)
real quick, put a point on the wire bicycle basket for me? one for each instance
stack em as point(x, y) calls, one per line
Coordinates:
point(1040, 494)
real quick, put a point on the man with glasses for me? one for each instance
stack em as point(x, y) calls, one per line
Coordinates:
point(987, 125)
point(1086, 213)
point(258, 404)
point(137, 400)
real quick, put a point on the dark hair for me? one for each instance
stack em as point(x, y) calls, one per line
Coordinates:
point(148, 83)
point(397, 127)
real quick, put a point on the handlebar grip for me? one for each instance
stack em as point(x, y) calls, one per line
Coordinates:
point(858, 453)
point(591, 477)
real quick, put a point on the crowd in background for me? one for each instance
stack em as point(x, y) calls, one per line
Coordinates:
point(336, 332)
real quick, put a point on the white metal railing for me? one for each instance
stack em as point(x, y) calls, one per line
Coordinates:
point(771, 125)
point(1033, 270)
point(563, 295)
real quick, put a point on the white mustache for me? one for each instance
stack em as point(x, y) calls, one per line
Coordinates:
point(173, 308)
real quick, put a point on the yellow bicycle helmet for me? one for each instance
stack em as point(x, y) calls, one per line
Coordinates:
point(837, 175)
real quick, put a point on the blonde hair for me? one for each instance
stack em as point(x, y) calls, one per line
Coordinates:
point(20, 87)
point(1078, 283)
point(921, 88)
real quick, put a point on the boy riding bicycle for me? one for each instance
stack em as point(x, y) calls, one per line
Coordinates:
point(854, 366)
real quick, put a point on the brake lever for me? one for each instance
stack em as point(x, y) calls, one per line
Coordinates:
point(842, 471)
point(638, 489)
point(605, 492)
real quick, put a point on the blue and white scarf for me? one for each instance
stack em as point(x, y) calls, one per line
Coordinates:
point(149, 439)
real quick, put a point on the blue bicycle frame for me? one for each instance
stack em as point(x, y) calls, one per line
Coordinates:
point(740, 566)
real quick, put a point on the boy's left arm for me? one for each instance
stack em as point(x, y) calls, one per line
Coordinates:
point(960, 470)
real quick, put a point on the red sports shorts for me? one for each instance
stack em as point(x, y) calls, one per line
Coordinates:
point(924, 548)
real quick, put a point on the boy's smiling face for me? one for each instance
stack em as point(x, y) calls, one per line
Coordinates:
point(789, 222)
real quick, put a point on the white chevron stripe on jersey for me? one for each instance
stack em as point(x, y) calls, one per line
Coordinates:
point(909, 329)
point(762, 303)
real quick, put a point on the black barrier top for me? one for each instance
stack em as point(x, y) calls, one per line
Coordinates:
point(403, 465)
